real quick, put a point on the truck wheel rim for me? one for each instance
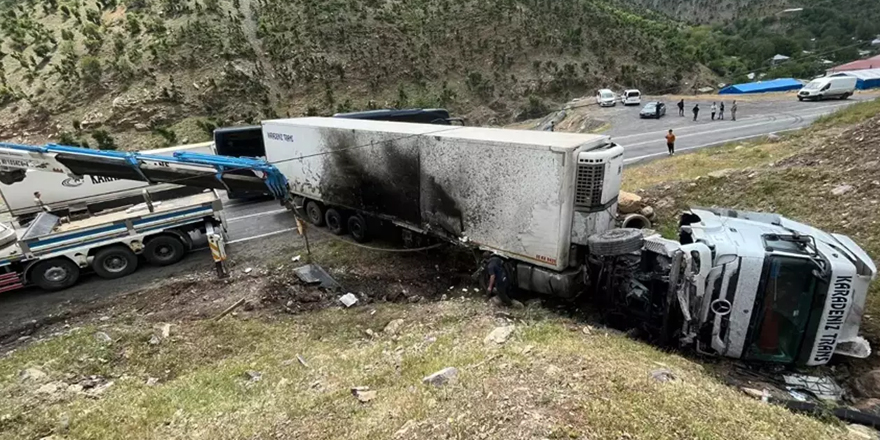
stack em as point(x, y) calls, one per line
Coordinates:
point(55, 274)
point(115, 264)
point(164, 252)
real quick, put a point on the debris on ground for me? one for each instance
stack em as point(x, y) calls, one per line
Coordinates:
point(499, 335)
point(152, 381)
point(441, 377)
point(230, 309)
point(311, 274)
point(302, 361)
point(363, 394)
point(841, 190)
point(629, 203)
point(663, 375)
point(823, 388)
point(253, 376)
point(868, 384)
point(348, 300)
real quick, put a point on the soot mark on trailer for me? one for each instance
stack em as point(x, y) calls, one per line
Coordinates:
point(443, 210)
point(382, 177)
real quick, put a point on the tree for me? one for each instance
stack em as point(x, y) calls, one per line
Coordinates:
point(91, 70)
point(104, 140)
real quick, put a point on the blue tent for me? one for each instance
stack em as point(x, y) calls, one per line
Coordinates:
point(867, 78)
point(774, 85)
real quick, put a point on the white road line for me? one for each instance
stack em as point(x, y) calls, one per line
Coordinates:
point(277, 211)
point(617, 138)
point(257, 237)
point(710, 144)
point(733, 128)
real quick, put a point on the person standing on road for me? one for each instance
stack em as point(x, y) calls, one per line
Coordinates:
point(681, 107)
point(721, 111)
point(670, 142)
point(714, 110)
point(696, 111)
point(733, 110)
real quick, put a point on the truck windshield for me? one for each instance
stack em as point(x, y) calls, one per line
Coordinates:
point(782, 309)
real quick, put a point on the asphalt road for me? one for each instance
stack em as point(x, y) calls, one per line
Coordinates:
point(644, 139)
point(260, 230)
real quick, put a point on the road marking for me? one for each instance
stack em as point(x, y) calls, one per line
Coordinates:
point(277, 211)
point(617, 138)
point(710, 144)
point(733, 128)
point(257, 237)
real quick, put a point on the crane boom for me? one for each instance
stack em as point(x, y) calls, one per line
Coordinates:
point(183, 168)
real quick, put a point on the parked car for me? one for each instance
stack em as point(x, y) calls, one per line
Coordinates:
point(606, 98)
point(840, 87)
point(632, 97)
point(653, 110)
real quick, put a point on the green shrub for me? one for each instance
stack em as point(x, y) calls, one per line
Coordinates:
point(104, 140)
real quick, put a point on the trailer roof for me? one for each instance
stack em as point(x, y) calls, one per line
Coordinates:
point(525, 138)
point(406, 128)
point(514, 138)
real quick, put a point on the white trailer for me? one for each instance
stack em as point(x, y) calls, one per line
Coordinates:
point(63, 194)
point(528, 196)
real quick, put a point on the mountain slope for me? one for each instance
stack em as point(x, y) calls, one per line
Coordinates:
point(174, 69)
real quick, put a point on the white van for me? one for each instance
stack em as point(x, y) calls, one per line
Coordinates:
point(840, 87)
point(606, 98)
point(632, 97)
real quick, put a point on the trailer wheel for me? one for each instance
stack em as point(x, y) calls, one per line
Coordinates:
point(335, 221)
point(357, 227)
point(114, 262)
point(164, 250)
point(616, 242)
point(56, 274)
point(315, 213)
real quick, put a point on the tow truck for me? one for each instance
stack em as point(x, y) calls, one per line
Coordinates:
point(51, 252)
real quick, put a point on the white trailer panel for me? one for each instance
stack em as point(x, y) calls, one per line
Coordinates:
point(510, 191)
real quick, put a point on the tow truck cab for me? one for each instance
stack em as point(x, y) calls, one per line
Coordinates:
point(777, 290)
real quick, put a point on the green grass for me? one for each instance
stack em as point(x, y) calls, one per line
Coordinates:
point(851, 115)
point(546, 381)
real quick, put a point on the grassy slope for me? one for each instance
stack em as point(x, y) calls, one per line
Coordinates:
point(551, 380)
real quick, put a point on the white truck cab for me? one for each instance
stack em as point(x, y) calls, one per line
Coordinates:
point(777, 290)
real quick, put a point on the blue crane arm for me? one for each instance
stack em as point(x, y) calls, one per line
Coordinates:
point(183, 168)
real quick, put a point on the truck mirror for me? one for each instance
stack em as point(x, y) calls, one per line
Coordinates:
point(12, 176)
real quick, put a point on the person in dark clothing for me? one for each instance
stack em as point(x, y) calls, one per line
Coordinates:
point(696, 111)
point(681, 107)
point(721, 111)
point(733, 110)
point(499, 281)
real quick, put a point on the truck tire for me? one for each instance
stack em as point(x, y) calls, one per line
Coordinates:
point(315, 213)
point(335, 221)
point(616, 242)
point(114, 262)
point(357, 227)
point(56, 274)
point(845, 96)
point(164, 250)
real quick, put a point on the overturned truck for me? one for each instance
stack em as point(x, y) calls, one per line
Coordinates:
point(737, 284)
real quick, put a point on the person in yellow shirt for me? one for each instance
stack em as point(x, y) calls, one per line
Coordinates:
point(670, 142)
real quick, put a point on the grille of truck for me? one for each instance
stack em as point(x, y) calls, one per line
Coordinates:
point(590, 177)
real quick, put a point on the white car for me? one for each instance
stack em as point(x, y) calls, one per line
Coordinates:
point(606, 98)
point(632, 97)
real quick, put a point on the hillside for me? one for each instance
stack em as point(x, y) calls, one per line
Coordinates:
point(151, 72)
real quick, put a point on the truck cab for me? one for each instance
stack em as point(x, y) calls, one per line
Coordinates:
point(777, 290)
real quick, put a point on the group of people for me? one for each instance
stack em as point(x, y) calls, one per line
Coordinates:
point(716, 110)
